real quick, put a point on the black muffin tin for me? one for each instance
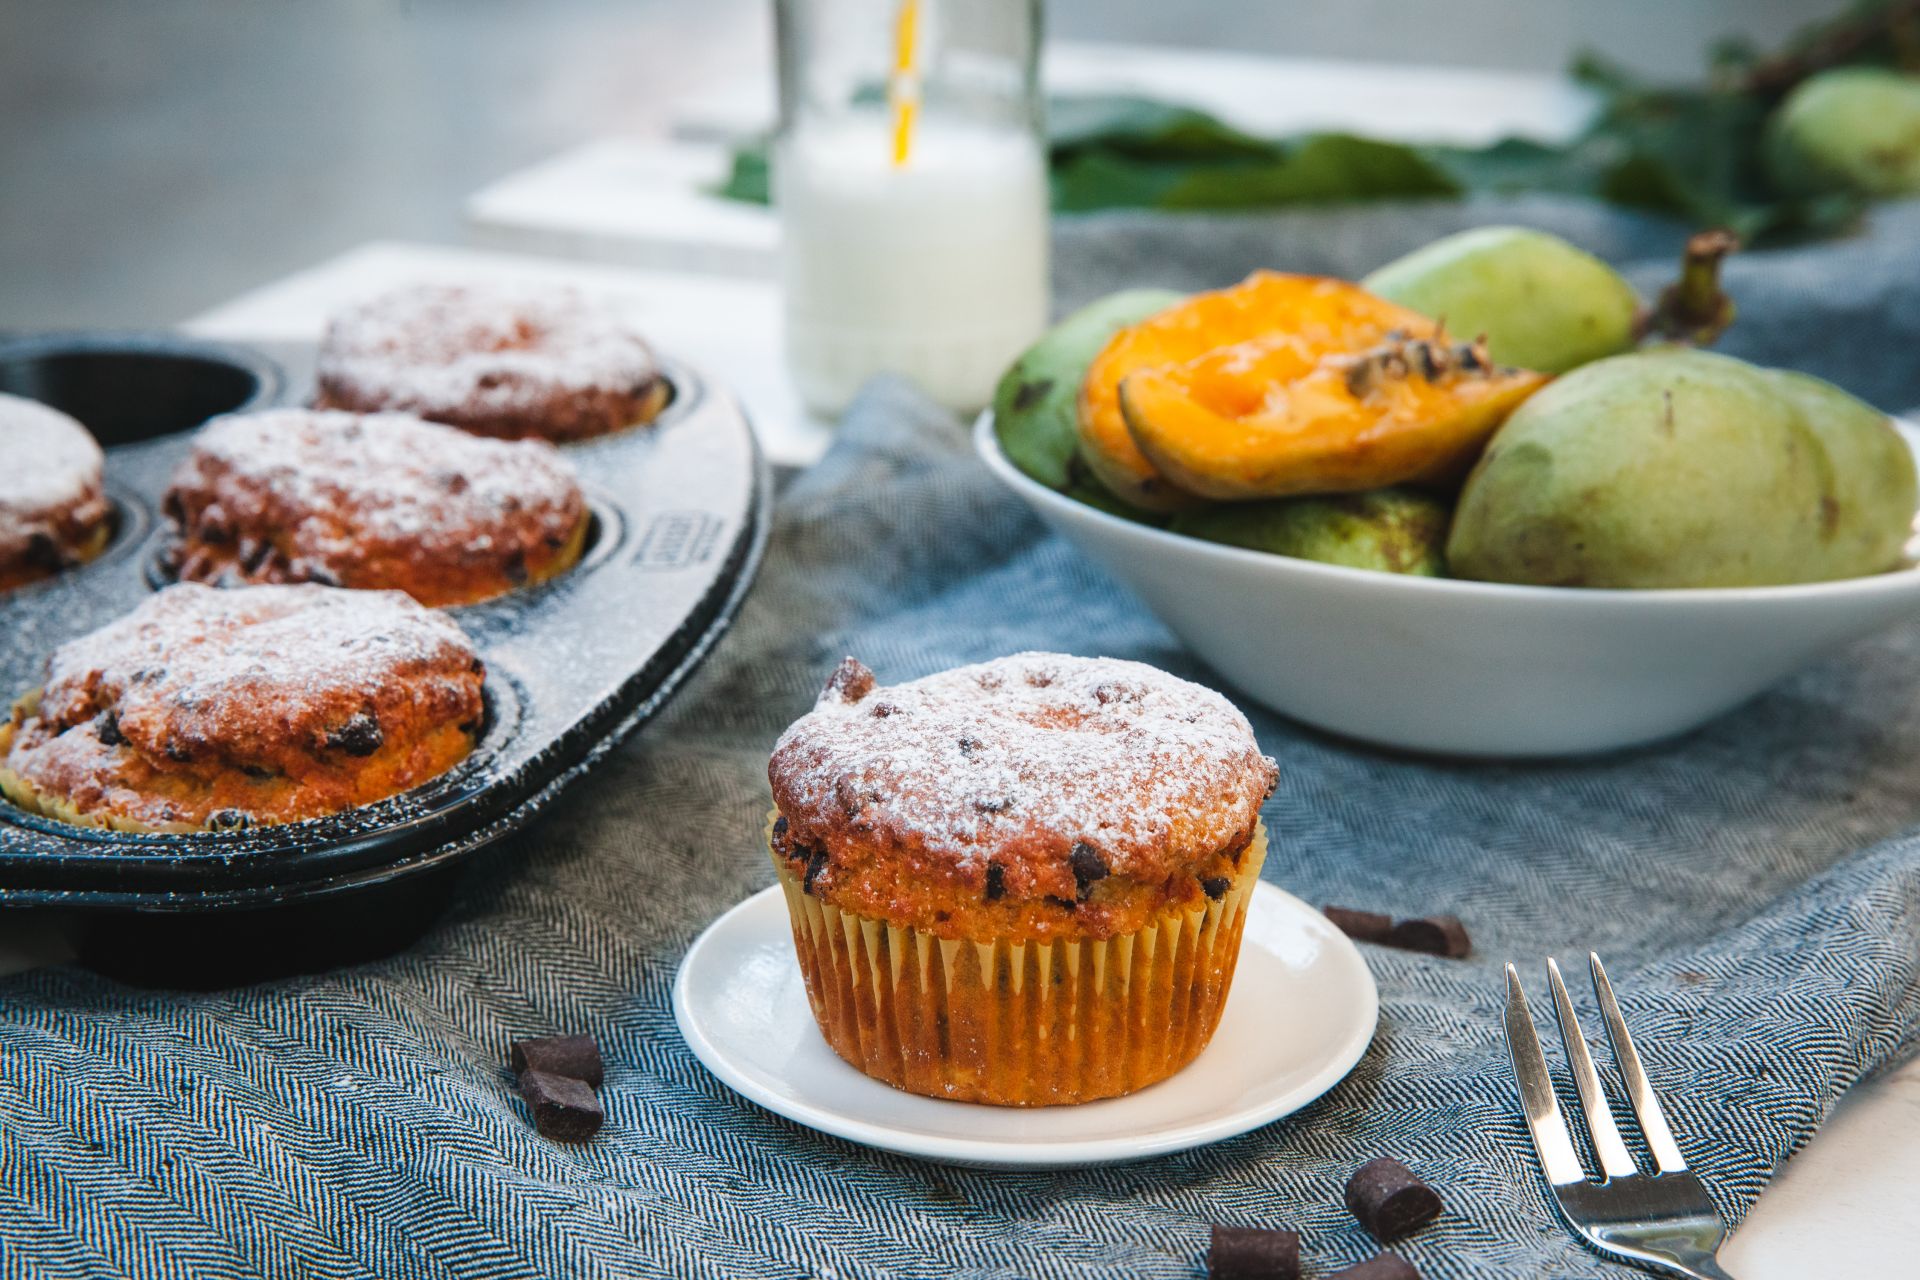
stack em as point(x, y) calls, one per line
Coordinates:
point(679, 511)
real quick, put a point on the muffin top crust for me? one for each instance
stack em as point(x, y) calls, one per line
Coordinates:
point(375, 500)
point(274, 703)
point(498, 359)
point(1032, 777)
point(51, 479)
point(262, 676)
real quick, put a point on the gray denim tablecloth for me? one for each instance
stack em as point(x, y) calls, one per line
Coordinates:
point(1755, 887)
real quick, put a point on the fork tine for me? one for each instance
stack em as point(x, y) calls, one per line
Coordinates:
point(1615, 1159)
point(1646, 1106)
point(1541, 1108)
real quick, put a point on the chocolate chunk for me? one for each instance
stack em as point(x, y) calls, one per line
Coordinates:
point(576, 1057)
point(1216, 886)
point(996, 882)
point(1253, 1253)
point(1088, 867)
point(228, 820)
point(1381, 1266)
point(1389, 1199)
point(1066, 904)
point(107, 729)
point(359, 736)
point(816, 863)
point(780, 826)
point(1362, 926)
point(850, 682)
point(563, 1108)
point(1435, 935)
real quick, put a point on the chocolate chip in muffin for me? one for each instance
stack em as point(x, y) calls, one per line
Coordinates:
point(1088, 867)
point(1389, 1199)
point(228, 820)
point(996, 882)
point(577, 1057)
point(850, 681)
point(1216, 887)
point(358, 737)
point(563, 1108)
point(1253, 1253)
point(107, 728)
point(816, 863)
point(780, 827)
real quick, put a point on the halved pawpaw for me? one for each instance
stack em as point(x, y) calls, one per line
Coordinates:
point(1275, 417)
point(1315, 313)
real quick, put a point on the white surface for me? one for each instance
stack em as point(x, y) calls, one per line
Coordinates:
point(935, 268)
point(729, 327)
point(1301, 1013)
point(1468, 668)
point(645, 202)
point(1258, 93)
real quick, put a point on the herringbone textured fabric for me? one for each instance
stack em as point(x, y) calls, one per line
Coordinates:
point(1754, 888)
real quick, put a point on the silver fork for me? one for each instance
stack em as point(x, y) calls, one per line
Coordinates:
point(1660, 1222)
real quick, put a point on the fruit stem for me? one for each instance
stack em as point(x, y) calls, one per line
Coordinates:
point(1840, 42)
point(1694, 309)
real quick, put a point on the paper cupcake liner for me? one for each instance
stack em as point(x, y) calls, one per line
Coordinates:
point(1021, 1023)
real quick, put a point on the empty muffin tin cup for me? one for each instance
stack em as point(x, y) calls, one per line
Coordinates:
point(129, 387)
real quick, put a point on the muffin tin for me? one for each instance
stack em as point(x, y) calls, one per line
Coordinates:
point(680, 514)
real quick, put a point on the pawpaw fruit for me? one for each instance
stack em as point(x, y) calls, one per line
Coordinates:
point(1541, 302)
point(1386, 530)
point(1034, 404)
point(1678, 468)
point(1313, 312)
point(1281, 416)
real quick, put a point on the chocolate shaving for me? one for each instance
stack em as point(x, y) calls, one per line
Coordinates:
point(576, 1057)
point(1362, 926)
point(1434, 935)
point(1389, 1199)
point(1253, 1253)
point(1381, 1266)
point(563, 1108)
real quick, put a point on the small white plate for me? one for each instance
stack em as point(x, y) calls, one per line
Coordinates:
point(1302, 1011)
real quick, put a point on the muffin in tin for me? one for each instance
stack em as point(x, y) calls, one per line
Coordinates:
point(515, 361)
point(207, 709)
point(1021, 882)
point(54, 512)
point(376, 502)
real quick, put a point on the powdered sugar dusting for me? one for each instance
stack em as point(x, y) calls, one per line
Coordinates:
point(489, 350)
point(1038, 750)
point(206, 671)
point(335, 486)
point(52, 464)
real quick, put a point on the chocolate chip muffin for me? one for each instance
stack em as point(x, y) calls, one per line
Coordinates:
point(206, 709)
point(375, 502)
point(515, 361)
point(1021, 882)
point(53, 512)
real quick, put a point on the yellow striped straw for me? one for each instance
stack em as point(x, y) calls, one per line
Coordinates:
point(903, 89)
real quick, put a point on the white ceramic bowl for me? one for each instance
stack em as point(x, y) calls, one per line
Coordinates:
point(1469, 668)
